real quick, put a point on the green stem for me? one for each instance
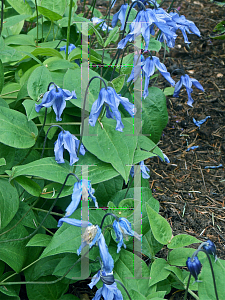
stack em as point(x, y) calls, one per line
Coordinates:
point(37, 21)
point(2, 16)
point(68, 29)
point(170, 7)
point(52, 213)
point(48, 32)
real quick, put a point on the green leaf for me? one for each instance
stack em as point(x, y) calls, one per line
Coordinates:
point(158, 271)
point(205, 287)
point(51, 15)
point(111, 36)
point(160, 227)
point(8, 153)
point(9, 202)
point(168, 91)
point(154, 114)
point(60, 64)
point(136, 295)
point(2, 161)
point(38, 82)
point(118, 83)
point(20, 39)
point(46, 168)
point(29, 185)
point(10, 92)
point(154, 45)
point(31, 113)
point(69, 297)
point(182, 240)
point(148, 145)
point(57, 6)
point(112, 146)
point(22, 7)
point(149, 245)
point(39, 240)
point(1, 76)
point(11, 21)
point(75, 54)
point(97, 34)
point(46, 291)
point(47, 52)
point(15, 130)
point(179, 256)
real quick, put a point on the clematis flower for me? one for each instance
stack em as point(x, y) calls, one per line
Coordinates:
point(108, 291)
point(56, 97)
point(70, 48)
point(111, 100)
point(103, 26)
point(139, 61)
point(149, 69)
point(74, 222)
point(81, 188)
point(194, 266)
point(90, 237)
point(122, 228)
point(187, 82)
point(69, 142)
point(144, 170)
point(210, 249)
point(121, 16)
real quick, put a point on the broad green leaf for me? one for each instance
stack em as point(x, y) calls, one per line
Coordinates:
point(9, 202)
point(1, 76)
point(154, 45)
point(111, 36)
point(149, 245)
point(53, 16)
point(60, 64)
point(140, 155)
point(31, 113)
point(112, 146)
point(57, 6)
point(154, 114)
point(182, 240)
point(10, 92)
point(12, 291)
point(65, 264)
point(8, 153)
point(118, 83)
point(69, 297)
point(75, 54)
point(97, 34)
point(39, 240)
point(46, 52)
point(148, 145)
point(20, 39)
point(158, 271)
point(168, 91)
point(205, 287)
point(22, 7)
point(46, 168)
point(136, 295)
point(10, 54)
point(38, 82)
point(2, 161)
point(15, 130)
point(29, 185)
point(160, 227)
point(11, 21)
point(179, 256)
point(46, 291)
point(3, 103)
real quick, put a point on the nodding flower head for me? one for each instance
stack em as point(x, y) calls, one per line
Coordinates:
point(210, 248)
point(70, 48)
point(194, 266)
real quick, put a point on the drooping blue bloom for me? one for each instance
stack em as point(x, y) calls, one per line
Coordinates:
point(144, 170)
point(165, 158)
point(123, 228)
point(74, 222)
point(70, 48)
point(103, 26)
point(185, 26)
point(194, 266)
point(120, 15)
point(56, 97)
point(111, 100)
point(139, 61)
point(108, 292)
point(106, 257)
point(67, 141)
point(210, 248)
point(187, 82)
point(149, 68)
point(81, 188)
point(90, 237)
point(199, 123)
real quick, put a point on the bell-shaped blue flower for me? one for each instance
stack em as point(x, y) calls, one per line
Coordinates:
point(56, 97)
point(81, 188)
point(103, 26)
point(67, 141)
point(194, 266)
point(122, 229)
point(187, 82)
point(111, 99)
point(144, 170)
point(70, 48)
point(149, 68)
point(90, 237)
point(210, 248)
point(139, 61)
point(120, 15)
point(108, 292)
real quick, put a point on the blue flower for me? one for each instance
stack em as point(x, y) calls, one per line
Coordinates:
point(185, 26)
point(199, 123)
point(122, 228)
point(111, 100)
point(70, 48)
point(210, 248)
point(69, 142)
point(108, 292)
point(90, 237)
point(139, 61)
point(166, 159)
point(74, 222)
point(56, 97)
point(121, 16)
point(83, 189)
point(106, 257)
point(149, 69)
point(187, 82)
point(103, 26)
point(194, 266)
point(144, 170)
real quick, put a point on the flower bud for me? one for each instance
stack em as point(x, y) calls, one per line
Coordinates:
point(194, 266)
point(210, 248)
